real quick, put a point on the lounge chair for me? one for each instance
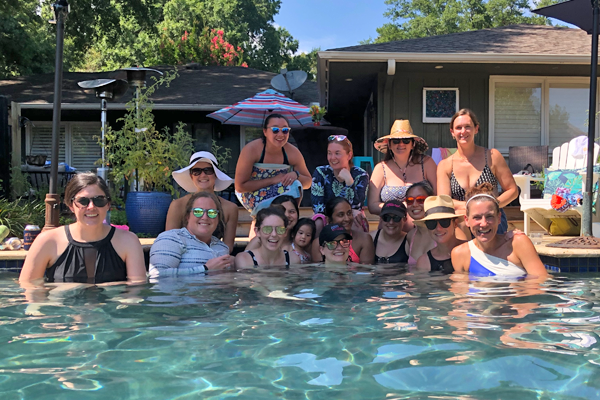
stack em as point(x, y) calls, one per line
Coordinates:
point(540, 210)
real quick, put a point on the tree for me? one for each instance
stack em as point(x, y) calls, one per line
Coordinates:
point(306, 62)
point(421, 18)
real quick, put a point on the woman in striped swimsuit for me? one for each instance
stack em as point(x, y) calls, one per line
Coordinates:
point(473, 165)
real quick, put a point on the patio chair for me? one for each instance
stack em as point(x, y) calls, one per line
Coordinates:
point(540, 210)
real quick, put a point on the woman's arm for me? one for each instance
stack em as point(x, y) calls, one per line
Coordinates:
point(175, 213)
point(366, 252)
point(243, 260)
point(134, 256)
point(297, 161)
point(374, 194)
point(243, 170)
point(165, 254)
point(444, 170)
point(500, 169)
point(317, 192)
point(38, 257)
point(231, 220)
point(430, 168)
point(460, 257)
point(360, 187)
point(423, 264)
point(525, 251)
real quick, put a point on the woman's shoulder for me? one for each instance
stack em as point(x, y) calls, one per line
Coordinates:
point(182, 201)
point(228, 205)
point(357, 171)
point(462, 250)
point(127, 237)
point(361, 236)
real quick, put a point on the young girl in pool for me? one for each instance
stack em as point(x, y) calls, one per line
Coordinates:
point(490, 253)
point(301, 239)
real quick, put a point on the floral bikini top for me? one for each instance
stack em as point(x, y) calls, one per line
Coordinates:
point(389, 193)
point(303, 257)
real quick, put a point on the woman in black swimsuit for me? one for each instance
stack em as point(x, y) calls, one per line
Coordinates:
point(88, 251)
point(270, 228)
point(471, 166)
point(390, 240)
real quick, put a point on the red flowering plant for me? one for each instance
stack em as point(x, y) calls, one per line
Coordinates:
point(207, 48)
point(317, 112)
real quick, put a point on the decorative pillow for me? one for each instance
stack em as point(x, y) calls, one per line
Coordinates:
point(562, 178)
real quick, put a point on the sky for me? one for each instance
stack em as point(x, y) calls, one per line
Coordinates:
point(330, 24)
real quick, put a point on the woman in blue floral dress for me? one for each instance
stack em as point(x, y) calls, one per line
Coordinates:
point(339, 179)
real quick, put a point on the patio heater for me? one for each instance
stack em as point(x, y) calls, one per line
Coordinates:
point(61, 10)
point(136, 77)
point(106, 90)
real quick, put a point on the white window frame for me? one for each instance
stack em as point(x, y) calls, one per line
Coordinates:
point(545, 82)
point(68, 130)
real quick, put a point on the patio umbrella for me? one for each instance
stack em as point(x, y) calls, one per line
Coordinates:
point(583, 14)
point(254, 110)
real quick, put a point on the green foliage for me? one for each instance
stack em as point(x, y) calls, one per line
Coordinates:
point(421, 18)
point(19, 183)
point(144, 235)
point(66, 220)
point(118, 217)
point(306, 62)
point(222, 154)
point(139, 150)
point(17, 213)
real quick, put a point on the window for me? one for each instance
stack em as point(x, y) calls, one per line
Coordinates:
point(201, 133)
point(78, 145)
point(533, 111)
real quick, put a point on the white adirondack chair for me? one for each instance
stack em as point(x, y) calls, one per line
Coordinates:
point(540, 210)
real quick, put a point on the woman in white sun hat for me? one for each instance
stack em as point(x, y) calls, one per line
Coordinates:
point(202, 175)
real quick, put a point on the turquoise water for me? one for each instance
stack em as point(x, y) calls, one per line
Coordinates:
point(303, 333)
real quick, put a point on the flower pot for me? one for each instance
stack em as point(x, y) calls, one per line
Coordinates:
point(147, 212)
point(317, 123)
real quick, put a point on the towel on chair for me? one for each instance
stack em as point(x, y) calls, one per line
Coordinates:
point(579, 147)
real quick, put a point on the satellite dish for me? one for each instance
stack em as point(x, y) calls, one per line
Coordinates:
point(288, 81)
point(106, 88)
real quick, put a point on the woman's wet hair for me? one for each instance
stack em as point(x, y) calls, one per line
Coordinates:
point(277, 210)
point(464, 111)
point(346, 144)
point(271, 116)
point(332, 204)
point(279, 200)
point(481, 193)
point(426, 186)
point(82, 180)
point(220, 231)
point(303, 222)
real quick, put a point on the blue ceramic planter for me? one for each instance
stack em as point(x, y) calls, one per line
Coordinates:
point(147, 212)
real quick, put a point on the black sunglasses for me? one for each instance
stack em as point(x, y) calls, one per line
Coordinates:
point(403, 140)
point(99, 201)
point(388, 217)
point(199, 171)
point(276, 130)
point(432, 223)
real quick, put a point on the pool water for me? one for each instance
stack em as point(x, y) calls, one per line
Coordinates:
point(303, 333)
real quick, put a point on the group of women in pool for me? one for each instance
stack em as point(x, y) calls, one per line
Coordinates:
point(445, 217)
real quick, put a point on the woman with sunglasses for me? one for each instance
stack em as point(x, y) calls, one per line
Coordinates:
point(194, 248)
point(339, 179)
point(418, 238)
point(473, 165)
point(338, 211)
point(270, 229)
point(440, 221)
point(334, 244)
point(203, 175)
point(270, 167)
point(292, 212)
point(403, 165)
point(87, 251)
point(490, 253)
point(390, 239)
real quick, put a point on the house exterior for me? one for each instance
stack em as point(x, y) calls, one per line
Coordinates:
point(197, 92)
point(528, 85)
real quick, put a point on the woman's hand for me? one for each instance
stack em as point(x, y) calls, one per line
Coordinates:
point(288, 178)
point(359, 219)
point(221, 262)
point(346, 176)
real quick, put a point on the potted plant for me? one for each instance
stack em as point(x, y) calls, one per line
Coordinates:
point(317, 114)
point(138, 152)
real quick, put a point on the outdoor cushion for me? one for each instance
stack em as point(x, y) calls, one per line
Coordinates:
point(562, 178)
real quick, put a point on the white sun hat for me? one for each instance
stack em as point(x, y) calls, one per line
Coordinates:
point(184, 179)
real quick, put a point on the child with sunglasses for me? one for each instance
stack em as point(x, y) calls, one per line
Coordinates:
point(270, 228)
point(390, 239)
point(340, 178)
point(440, 220)
point(87, 251)
point(418, 238)
point(195, 248)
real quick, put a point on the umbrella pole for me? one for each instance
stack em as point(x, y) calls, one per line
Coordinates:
point(586, 227)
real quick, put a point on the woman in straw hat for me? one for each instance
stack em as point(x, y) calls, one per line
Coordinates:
point(473, 165)
point(440, 220)
point(202, 175)
point(491, 253)
point(404, 164)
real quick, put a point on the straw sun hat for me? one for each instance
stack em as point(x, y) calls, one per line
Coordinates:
point(400, 130)
point(438, 207)
point(184, 179)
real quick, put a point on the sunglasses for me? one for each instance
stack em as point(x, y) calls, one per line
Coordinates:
point(276, 130)
point(432, 223)
point(403, 140)
point(267, 229)
point(338, 138)
point(389, 217)
point(345, 243)
point(418, 199)
point(199, 171)
point(211, 213)
point(99, 201)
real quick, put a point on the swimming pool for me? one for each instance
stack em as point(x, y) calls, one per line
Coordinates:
point(303, 333)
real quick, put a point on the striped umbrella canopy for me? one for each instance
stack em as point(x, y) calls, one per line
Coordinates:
point(254, 110)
